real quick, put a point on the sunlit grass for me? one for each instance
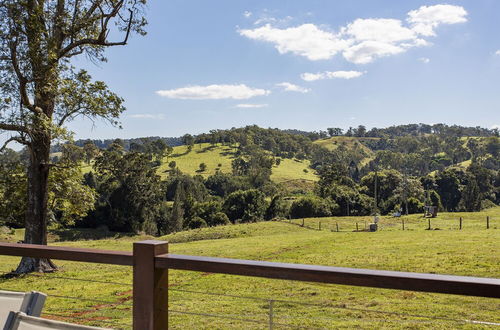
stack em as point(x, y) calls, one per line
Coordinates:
point(472, 251)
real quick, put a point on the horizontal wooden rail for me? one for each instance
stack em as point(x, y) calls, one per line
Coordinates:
point(67, 253)
point(462, 285)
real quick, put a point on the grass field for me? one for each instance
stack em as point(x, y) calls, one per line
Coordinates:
point(213, 156)
point(473, 251)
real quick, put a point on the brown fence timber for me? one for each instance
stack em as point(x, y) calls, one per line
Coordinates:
point(151, 261)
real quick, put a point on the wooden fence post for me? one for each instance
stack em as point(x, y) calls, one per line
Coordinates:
point(460, 223)
point(357, 227)
point(150, 287)
point(403, 221)
point(319, 225)
point(487, 222)
point(302, 222)
point(337, 227)
point(430, 224)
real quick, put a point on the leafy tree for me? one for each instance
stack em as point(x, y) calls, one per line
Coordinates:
point(471, 196)
point(196, 222)
point(192, 186)
point(245, 206)
point(203, 167)
point(90, 150)
point(188, 140)
point(278, 208)
point(40, 91)
point(68, 199)
point(177, 217)
point(12, 189)
point(449, 189)
point(130, 191)
point(312, 206)
point(222, 184)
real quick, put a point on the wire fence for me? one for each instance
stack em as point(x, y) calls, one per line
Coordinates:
point(77, 307)
point(275, 317)
point(222, 310)
point(396, 223)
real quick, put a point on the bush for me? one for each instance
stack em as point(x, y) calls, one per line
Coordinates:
point(308, 207)
point(245, 206)
point(218, 219)
point(279, 208)
point(197, 222)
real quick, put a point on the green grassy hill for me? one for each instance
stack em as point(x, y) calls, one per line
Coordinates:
point(473, 251)
point(213, 156)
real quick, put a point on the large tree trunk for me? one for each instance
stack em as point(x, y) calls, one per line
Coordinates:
point(36, 215)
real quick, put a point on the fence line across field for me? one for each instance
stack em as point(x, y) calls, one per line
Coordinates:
point(353, 226)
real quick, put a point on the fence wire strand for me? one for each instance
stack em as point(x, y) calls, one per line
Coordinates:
point(432, 318)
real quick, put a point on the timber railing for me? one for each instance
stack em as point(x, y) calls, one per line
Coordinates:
point(151, 261)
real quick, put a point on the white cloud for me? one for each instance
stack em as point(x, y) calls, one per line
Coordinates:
point(495, 127)
point(304, 40)
point(213, 92)
point(361, 41)
point(331, 75)
point(293, 88)
point(367, 51)
point(379, 29)
point(497, 52)
point(425, 19)
point(147, 116)
point(246, 105)
point(424, 60)
point(247, 14)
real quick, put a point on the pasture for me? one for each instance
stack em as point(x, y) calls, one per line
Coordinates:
point(219, 158)
point(472, 251)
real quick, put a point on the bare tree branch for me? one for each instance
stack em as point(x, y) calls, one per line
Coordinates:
point(23, 81)
point(12, 127)
point(17, 139)
point(101, 39)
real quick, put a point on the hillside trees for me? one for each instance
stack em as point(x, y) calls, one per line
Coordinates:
point(68, 198)
point(130, 192)
point(245, 206)
point(41, 91)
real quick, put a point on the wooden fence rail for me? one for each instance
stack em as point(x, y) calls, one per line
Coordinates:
point(151, 261)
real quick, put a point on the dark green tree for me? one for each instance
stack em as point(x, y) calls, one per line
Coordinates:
point(245, 206)
point(40, 90)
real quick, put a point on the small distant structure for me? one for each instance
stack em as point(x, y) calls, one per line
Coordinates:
point(430, 211)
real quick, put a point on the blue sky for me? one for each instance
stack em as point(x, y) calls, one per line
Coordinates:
point(306, 65)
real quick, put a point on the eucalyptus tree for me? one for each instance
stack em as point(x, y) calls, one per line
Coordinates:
point(41, 91)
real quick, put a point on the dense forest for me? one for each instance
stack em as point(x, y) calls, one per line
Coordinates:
point(399, 169)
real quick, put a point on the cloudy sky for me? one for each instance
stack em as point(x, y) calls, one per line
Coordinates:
point(305, 64)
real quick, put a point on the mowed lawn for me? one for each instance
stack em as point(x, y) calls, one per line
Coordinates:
point(472, 251)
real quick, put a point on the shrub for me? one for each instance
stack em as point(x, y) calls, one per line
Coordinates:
point(197, 222)
point(245, 205)
point(307, 207)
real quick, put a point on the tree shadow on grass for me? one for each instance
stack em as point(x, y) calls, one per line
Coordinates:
point(85, 234)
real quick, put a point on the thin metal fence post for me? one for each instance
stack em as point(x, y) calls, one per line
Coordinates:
point(271, 314)
point(150, 286)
